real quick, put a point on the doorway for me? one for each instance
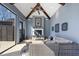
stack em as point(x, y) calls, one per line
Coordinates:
point(21, 32)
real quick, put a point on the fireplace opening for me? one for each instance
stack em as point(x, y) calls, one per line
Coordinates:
point(38, 33)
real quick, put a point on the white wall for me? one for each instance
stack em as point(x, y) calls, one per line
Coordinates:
point(68, 13)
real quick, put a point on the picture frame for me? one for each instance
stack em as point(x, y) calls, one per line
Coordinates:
point(52, 28)
point(57, 28)
point(65, 26)
point(38, 22)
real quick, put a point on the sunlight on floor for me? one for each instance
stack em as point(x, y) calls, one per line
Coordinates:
point(6, 44)
point(36, 48)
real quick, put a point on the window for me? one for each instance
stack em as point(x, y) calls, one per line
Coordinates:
point(7, 36)
point(6, 14)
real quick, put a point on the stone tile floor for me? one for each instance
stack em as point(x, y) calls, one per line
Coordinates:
point(36, 48)
point(6, 44)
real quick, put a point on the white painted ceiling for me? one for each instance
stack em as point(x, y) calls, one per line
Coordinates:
point(26, 8)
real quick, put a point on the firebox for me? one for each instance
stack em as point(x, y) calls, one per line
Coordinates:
point(38, 32)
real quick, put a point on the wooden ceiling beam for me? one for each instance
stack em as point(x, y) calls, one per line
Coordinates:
point(62, 4)
point(45, 12)
point(12, 3)
point(35, 8)
point(32, 10)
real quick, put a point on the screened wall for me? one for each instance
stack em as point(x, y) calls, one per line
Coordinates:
point(7, 19)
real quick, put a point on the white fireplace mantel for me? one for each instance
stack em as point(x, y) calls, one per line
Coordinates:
point(38, 29)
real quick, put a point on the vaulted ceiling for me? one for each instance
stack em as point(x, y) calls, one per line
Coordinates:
point(47, 9)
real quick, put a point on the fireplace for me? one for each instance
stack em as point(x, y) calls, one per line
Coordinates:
point(38, 27)
point(38, 32)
